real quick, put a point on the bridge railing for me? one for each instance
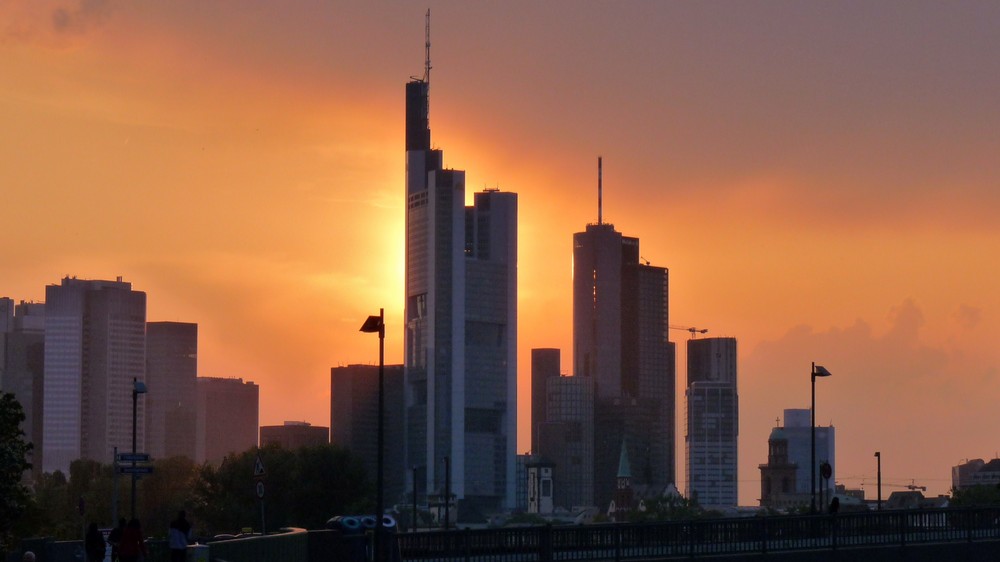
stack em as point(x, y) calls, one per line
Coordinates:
point(705, 537)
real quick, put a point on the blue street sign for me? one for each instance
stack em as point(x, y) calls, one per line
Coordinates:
point(133, 457)
point(135, 469)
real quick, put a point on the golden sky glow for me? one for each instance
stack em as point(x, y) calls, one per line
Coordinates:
point(820, 179)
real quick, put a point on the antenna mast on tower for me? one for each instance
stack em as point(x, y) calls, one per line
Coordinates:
point(600, 192)
point(427, 46)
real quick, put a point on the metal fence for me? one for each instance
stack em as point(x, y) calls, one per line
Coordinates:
point(706, 537)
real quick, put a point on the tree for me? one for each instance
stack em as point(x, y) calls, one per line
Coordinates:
point(165, 492)
point(303, 488)
point(14, 450)
point(672, 508)
point(976, 496)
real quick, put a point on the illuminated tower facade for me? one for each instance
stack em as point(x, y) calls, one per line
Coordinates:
point(620, 322)
point(460, 336)
point(95, 345)
point(712, 422)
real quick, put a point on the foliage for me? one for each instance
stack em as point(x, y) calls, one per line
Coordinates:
point(14, 450)
point(672, 508)
point(303, 488)
point(169, 489)
point(976, 496)
point(525, 519)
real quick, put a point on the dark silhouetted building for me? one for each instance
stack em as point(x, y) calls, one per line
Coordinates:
point(976, 473)
point(460, 340)
point(294, 435)
point(778, 478)
point(564, 429)
point(620, 323)
point(228, 418)
point(712, 422)
point(354, 421)
point(22, 352)
point(171, 401)
point(545, 365)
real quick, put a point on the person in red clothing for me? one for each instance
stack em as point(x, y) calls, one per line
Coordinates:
point(133, 543)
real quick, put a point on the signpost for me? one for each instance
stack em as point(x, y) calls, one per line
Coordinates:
point(133, 457)
point(258, 474)
point(135, 469)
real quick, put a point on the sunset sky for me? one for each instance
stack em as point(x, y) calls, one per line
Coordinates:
point(821, 178)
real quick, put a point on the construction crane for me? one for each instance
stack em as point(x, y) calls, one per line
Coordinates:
point(912, 486)
point(694, 331)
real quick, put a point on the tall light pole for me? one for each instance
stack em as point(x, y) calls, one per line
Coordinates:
point(377, 324)
point(878, 455)
point(817, 371)
point(138, 387)
point(447, 492)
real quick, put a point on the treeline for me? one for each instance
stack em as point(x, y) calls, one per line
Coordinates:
point(302, 488)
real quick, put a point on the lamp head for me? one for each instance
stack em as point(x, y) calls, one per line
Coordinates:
point(139, 387)
point(820, 371)
point(372, 325)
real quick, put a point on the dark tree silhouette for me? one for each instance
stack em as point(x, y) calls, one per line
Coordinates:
point(14, 450)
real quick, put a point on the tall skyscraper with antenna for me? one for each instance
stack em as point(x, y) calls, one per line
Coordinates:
point(460, 343)
point(620, 323)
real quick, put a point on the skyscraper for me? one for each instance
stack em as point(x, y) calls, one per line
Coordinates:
point(228, 417)
point(22, 344)
point(460, 341)
point(95, 346)
point(712, 422)
point(563, 428)
point(171, 375)
point(354, 419)
point(620, 322)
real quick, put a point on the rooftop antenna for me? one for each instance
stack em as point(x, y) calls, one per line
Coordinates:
point(600, 192)
point(427, 46)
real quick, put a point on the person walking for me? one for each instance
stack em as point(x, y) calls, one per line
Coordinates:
point(133, 543)
point(115, 538)
point(179, 537)
point(94, 545)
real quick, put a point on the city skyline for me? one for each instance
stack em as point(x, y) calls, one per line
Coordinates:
point(818, 180)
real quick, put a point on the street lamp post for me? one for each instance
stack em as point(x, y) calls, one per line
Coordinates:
point(377, 324)
point(817, 371)
point(414, 528)
point(447, 492)
point(138, 387)
point(878, 455)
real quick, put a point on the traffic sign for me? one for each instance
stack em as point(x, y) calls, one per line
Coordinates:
point(260, 489)
point(133, 457)
point(135, 470)
point(258, 468)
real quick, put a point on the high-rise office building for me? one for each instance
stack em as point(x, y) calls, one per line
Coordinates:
point(354, 421)
point(712, 422)
point(171, 375)
point(95, 347)
point(620, 323)
point(545, 365)
point(227, 418)
point(22, 345)
point(6, 316)
point(460, 341)
point(797, 429)
point(563, 428)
